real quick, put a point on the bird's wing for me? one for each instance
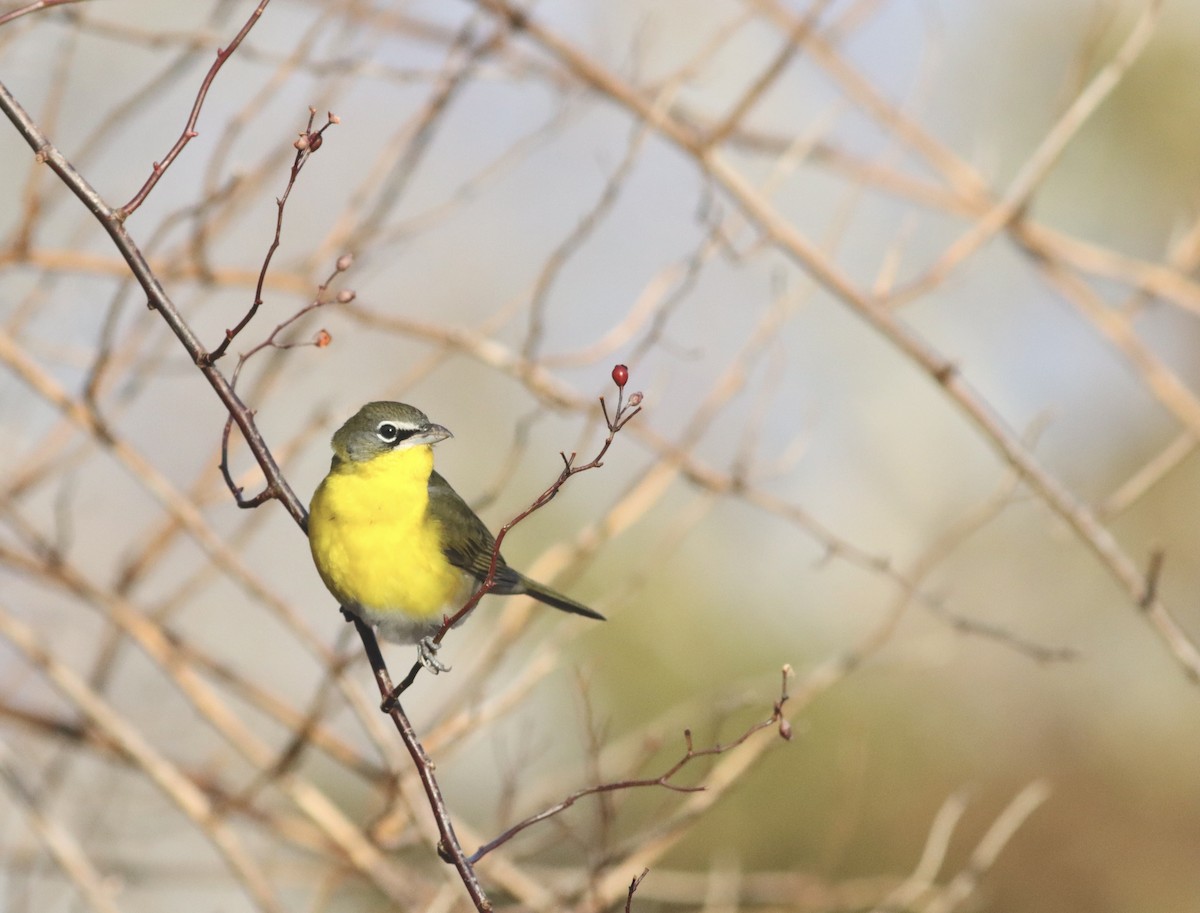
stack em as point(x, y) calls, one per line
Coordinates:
point(468, 542)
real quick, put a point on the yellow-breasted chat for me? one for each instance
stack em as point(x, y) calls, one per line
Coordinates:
point(393, 542)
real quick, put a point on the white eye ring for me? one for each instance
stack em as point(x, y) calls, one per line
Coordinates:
point(387, 432)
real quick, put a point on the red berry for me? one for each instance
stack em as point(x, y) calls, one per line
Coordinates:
point(620, 375)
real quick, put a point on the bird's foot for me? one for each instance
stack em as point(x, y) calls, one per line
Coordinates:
point(427, 649)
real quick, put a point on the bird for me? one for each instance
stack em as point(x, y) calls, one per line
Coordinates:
point(394, 543)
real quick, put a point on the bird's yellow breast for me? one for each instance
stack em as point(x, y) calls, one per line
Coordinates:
point(374, 544)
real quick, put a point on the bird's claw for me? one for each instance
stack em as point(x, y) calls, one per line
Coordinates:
point(427, 649)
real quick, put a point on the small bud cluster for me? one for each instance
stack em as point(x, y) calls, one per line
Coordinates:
point(310, 140)
point(626, 408)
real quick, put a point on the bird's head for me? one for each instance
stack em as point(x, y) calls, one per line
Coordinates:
point(379, 428)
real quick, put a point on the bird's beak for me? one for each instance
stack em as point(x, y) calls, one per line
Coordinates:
point(430, 434)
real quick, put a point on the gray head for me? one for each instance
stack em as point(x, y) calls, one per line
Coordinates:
point(379, 428)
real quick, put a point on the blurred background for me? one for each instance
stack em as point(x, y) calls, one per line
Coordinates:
point(908, 290)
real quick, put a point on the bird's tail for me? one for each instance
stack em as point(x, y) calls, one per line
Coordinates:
point(543, 593)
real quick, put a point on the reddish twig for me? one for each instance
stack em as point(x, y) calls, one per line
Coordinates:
point(320, 341)
point(449, 848)
point(158, 169)
point(32, 8)
point(663, 780)
point(308, 143)
point(626, 410)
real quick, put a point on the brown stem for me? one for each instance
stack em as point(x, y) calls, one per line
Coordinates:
point(308, 143)
point(664, 779)
point(189, 130)
point(33, 8)
point(448, 846)
point(156, 297)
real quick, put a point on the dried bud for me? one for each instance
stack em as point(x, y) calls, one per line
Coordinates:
point(334, 119)
point(785, 729)
point(635, 399)
point(314, 141)
point(346, 295)
point(344, 262)
point(322, 339)
point(620, 375)
point(302, 142)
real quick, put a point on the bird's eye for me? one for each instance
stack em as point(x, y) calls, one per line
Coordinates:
point(392, 434)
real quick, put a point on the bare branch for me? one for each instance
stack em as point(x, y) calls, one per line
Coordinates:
point(309, 142)
point(158, 169)
point(34, 7)
point(662, 780)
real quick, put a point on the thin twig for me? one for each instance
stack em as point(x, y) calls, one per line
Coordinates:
point(156, 296)
point(33, 8)
point(449, 847)
point(320, 341)
point(160, 770)
point(309, 142)
point(633, 886)
point(663, 780)
point(784, 235)
point(158, 169)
